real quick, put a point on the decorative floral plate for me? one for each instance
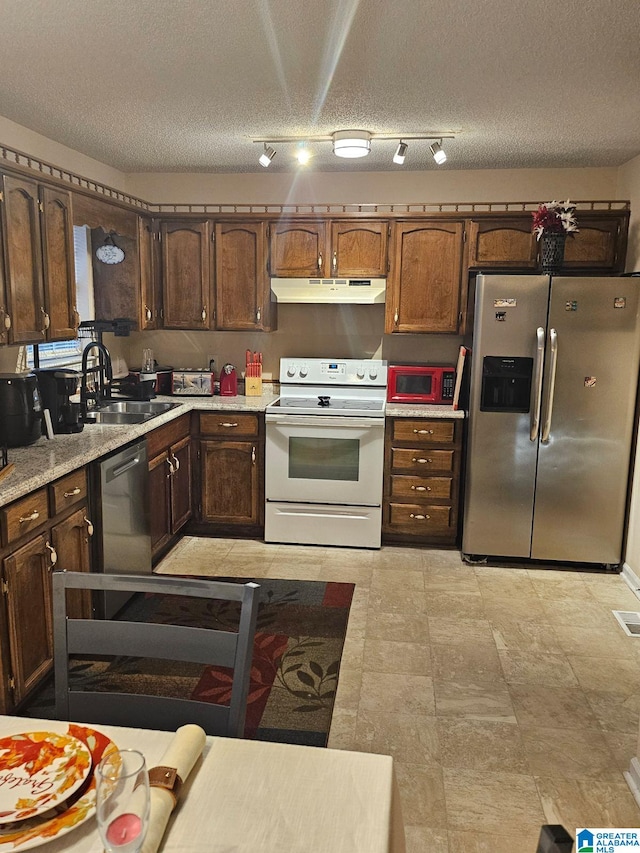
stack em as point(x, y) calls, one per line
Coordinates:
point(70, 813)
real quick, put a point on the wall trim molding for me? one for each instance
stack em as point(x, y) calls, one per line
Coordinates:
point(631, 578)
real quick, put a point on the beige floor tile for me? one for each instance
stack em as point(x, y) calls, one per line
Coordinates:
point(382, 581)
point(360, 575)
point(342, 734)
point(290, 571)
point(388, 656)
point(399, 600)
point(575, 611)
point(511, 633)
point(425, 839)
point(505, 585)
point(606, 674)
point(352, 652)
point(481, 745)
point(410, 738)
point(421, 794)
point(356, 557)
point(251, 547)
point(466, 661)
point(526, 841)
point(623, 746)
point(488, 701)
point(448, 631)
point(348, 692)
point(512, 605)
point(587, 802)
point(463, 605)
point(569, 754)
point(398, 627)
point(560, 588)
point(448, 557)
point(495, 803)
point(392, 693)
point(446, 569)
point(451, 583)
point(392, 559)
point(617, 711)
point(536, 668)
point(616, 595)
point(606, 641)
point(555, 707)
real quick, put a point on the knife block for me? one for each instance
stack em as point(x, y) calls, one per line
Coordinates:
point(253, 386)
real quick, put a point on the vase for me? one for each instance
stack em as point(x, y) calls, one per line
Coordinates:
point(552, 254)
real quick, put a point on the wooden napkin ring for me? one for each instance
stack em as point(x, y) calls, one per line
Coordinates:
point(167, 778)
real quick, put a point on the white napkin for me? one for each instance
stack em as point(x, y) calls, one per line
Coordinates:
point(182, 753)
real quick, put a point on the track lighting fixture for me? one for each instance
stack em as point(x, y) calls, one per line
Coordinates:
point(351, 143)
point(401, 153)
point(438, 154)
point(267, 155)
point(303, 154)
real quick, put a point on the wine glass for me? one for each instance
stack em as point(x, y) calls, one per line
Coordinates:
point(122, 801)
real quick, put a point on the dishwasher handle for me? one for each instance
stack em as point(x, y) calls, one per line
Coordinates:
point(130, 463)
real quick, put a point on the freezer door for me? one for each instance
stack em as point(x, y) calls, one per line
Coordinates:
point(585, 447)
point(502, 439)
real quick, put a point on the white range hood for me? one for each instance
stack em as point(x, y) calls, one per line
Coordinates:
point(335, 291)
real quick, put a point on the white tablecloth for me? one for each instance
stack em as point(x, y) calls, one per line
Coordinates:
point(258, 797)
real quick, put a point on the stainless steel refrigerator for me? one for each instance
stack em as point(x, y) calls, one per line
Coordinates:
point(551, 417)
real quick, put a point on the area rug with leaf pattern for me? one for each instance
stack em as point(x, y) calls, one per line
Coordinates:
point(298, 646)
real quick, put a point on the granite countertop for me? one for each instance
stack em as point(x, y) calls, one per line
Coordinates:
point(45, 461)
point(413, 410)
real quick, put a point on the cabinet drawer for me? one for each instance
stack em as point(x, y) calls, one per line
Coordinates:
point(425, 432)
point(228, 424)
point(421, 488)
point(170, 433)
point(420, 460)
point(68, 491)
point(24, 515)
point(419, 519)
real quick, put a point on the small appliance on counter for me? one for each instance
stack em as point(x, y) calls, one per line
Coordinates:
point(137, 385)
point(228, 381)
point(193, 383)
point(20, 409)
point(421, 383)
point(57, 387)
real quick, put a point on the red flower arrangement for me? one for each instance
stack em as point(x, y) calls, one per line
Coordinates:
point(554, 218)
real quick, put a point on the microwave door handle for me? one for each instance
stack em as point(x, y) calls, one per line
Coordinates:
point(536, 402)
point(546, 427)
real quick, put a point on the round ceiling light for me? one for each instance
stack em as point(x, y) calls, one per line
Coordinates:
point(351, 143)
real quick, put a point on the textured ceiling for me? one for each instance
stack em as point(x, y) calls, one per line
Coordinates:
point(185, 85)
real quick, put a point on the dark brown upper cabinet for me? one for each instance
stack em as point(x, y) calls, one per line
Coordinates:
point(186, 274)
point(359, 249)
point(298, 249)
point(242, 288)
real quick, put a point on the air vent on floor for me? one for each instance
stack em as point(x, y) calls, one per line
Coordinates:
point(630, 622)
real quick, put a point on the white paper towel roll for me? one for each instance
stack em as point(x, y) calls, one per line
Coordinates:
point(182, 753)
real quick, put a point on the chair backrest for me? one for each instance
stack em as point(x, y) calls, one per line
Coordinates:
point(153, 640)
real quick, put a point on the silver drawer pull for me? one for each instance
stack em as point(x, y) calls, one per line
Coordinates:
point(52, 552)
point(228, 425)
point(423, 431)
point(421, 488)
point(34, 515)
point(89, 525)
point(420, 517)
point(73, 492)
point(420, 460)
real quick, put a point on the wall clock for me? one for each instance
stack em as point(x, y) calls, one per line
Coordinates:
point(109, 253)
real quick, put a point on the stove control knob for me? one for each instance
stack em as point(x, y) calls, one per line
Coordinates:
point(373, 373)
point(291, 370)
point(360, 372)
point(304, 370)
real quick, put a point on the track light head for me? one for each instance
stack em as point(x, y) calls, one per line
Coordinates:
point(438, 154)
point(401, 153)
point(267, 155)
point(303, 154)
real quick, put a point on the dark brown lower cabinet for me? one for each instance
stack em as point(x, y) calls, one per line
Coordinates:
point(229, 471)
point(70, 538)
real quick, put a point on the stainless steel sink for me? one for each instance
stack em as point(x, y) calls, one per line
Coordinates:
point(129, 411)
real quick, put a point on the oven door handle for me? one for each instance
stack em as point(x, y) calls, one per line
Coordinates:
point(322, 421)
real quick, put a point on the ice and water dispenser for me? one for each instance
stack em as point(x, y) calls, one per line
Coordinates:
point(506, 384)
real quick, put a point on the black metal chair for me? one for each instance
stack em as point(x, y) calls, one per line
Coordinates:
point(152, 640)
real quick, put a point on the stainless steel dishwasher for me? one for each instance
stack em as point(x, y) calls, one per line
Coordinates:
point(125, 531)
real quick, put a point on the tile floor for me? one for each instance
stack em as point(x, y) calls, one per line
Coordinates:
point(509, 697)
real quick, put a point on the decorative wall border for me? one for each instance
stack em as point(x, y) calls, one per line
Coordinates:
point(13, 157)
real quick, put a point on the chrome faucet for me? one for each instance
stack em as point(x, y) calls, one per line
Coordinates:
point(100, 388)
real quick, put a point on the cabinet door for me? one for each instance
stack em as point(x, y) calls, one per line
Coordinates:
point(29, 614)
point(23, 260)
point(70, 538)
point(298, 249)
point(599, 245)
point(160, 468)
point(359, 248)
point(186, 275)
point(504, 243)
point(5, 320)
point(58, 264)
point(150, 298)
point(243, 298)
point(423, 291)
point(229, 477)
point(180, 484)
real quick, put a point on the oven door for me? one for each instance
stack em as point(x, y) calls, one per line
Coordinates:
point(318, 459)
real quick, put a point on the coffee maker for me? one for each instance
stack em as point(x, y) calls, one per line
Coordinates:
point(57, 386)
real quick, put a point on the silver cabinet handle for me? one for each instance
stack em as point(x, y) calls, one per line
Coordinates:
point(204, 313)
point(334, 262)
point(89, 525)
point(423, 431)
point(421, 460)
point(253, 456)
point(546, 427)
point(53, 555)
point(176, 462)
point(228, 425)
point(172, 470)
point(320, 261)
point(258, 315)
point(7, 321)
point(395, 318)
point(34, 515)
point(420, 517)
point(73, 492)
point(421, 488)
point(148, 312)
point(46, 322)
point(537, 385)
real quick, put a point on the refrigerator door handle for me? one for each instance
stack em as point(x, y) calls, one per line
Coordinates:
point(537, 385)
point(546, 427)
